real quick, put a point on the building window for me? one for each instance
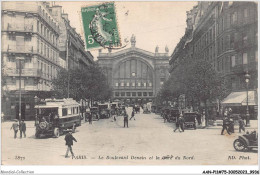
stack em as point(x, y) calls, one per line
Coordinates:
point(122, 84)
point(234, 18)
point(233, 61)
point(245, 61)
point(139, 84)
point(122, 94)
point(22, 84)
point(222, 64)
point(133, 84)
point(245, 13)
point(144, 84)
point(256, 56)
point(222, 45)
point(133, 74)
point(232, 41)
point(127, 84)
point(12, 37)
point(44, 51)
point(139, 94)
point(244, 40)
point(128, 94)
point(37, 26)
point(222, 21)
point(116, 84)
point(150, 84)
point(41, 48)
point(133, 94)
point(117, 94)
point(228, 42)
point(144, 94)
point(38, 46)
point(218, 65)
point(162, 81)
point(233, 83)
point(150, 94)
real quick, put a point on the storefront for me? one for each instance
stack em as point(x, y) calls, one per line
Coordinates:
point(237, 101)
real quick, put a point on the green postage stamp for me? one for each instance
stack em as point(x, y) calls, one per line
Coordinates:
point(100, 26)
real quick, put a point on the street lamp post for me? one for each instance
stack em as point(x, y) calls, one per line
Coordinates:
point(36, 114)
point(20, 59)
point(247, 78)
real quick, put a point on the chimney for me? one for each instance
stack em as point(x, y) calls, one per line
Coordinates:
point(66, 16)
point(56, 12)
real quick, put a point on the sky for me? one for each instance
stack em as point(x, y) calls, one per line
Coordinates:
point(153, 23)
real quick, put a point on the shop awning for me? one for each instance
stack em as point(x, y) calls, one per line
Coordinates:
point(240, 99)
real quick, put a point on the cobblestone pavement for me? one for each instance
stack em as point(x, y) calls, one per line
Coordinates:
point(147, 141)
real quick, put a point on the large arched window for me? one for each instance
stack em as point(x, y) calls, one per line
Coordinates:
point(133, 73)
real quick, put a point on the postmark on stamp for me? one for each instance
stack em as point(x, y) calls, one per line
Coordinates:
point(100, 26)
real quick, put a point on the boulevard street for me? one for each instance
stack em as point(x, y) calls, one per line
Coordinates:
point(147, 141)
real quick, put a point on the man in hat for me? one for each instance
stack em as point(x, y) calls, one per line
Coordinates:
point(225, 125)
point(15, 127)
point(181, 122)
point(125, 118)
point(241, 124)
point(69, 142)
point(177, 125)
point(133, 114)
point(22, 128)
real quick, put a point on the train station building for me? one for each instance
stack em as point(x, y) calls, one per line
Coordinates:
point(135, 75)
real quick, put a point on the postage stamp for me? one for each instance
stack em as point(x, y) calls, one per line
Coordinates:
point(100, 26)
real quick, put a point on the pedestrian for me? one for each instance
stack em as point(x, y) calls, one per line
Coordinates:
point(229, 111)
point(198, 118)
point(133, 115)
point(231, 125)
point(165, 116)
point(2, 117)
point(203, 120)
point(69, 142)
point(125, 119)
point(226, 113)
point(177, 125)
point(181, 122)
point(225, 126)
point(114, 115)
point(90, 118)
point(15, 127)
point(241, 124)
point(22, 128)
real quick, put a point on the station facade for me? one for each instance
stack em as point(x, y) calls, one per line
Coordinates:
point(135, 75)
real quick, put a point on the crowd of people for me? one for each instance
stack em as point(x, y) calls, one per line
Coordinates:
point(228, 123)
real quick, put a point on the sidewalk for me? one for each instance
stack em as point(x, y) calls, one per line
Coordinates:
point(253, 125)
point(29, 124)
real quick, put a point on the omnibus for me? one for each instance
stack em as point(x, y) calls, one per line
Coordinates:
point(55, 116)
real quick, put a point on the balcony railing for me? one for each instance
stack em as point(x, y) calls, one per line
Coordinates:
point(30, 72)
point(19, 28)
point(241, 68)
point(20, 49)
point(50, 22)
point(238, 68)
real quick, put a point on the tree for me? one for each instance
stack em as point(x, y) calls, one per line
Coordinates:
point(198, 80)
point(79, 84)
point(204, 83)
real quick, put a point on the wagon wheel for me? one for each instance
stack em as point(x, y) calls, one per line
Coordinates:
point(56, 132)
